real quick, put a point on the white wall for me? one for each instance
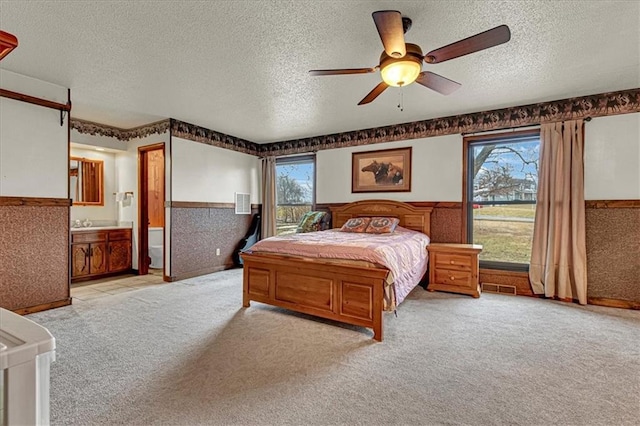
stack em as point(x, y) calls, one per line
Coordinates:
point(612, 158)
point(126, 166)
point(205, 173)
point(108, 211)
point(33, 144)
point(98, 140)
point(436, 171)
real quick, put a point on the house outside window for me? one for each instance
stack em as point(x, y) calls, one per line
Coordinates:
point(295, 191)
point(501, 181)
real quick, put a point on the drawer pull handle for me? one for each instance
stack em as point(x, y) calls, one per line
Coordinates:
point(452, 278)
point(452, 262)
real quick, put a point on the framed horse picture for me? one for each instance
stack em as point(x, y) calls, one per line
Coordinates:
point(387, 170)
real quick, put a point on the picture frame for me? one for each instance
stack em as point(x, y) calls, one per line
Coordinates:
point(387, 170)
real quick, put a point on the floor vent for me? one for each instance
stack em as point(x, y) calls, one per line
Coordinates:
point(499, 288)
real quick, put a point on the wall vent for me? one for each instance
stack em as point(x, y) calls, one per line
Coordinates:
point(499, 288)
point(243, 203)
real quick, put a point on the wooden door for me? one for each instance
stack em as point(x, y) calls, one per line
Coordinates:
point(79, 260)
point(98, 256)
point(119, 255)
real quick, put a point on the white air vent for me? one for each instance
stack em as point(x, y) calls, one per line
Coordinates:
point(498, 288)
point(243, 203)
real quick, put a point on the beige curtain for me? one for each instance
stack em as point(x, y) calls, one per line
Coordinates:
point(558, 255)
point(268, 197)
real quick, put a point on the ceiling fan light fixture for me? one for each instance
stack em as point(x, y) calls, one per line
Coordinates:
point(401, 71)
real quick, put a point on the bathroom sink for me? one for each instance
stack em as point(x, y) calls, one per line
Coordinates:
point(99, 228)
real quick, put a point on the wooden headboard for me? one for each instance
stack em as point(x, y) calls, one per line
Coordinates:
point(415, 218)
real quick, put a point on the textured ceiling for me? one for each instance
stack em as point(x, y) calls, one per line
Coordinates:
point(240, 67)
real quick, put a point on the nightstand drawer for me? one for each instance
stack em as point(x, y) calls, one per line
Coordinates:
point(452, 261)
point(453, 277)
point(454, 267)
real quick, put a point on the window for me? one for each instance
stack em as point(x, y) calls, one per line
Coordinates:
point(295, 191)
point(501, 187)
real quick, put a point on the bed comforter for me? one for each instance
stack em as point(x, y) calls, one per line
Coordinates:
point(402, 252)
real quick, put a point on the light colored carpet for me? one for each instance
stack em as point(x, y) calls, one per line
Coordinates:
point(187, 353)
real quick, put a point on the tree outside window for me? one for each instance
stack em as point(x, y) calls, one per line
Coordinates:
point(295, 192)
point(502, 183)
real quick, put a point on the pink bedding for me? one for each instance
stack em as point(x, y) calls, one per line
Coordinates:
point(402, 252)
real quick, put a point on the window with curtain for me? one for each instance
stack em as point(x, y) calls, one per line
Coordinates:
point(295, 191)
point(501, 181)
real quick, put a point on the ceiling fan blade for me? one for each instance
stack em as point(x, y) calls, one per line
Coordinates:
point(437, 82)
point(342, 71)
point(485, 40)
point(389, 25)
point(374, 93)
point(8, 42)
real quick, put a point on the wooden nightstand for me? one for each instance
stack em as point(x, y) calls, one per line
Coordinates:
point(454, 268)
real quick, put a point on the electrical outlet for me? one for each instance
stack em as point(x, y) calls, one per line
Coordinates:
point(217, 252)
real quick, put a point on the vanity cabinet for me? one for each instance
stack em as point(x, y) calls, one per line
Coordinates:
point(100, 253)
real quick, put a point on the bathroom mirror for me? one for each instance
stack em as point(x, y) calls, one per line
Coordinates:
point(86, 185)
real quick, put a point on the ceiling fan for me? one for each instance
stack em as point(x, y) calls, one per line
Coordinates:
point(401, 63)
point(8, 42)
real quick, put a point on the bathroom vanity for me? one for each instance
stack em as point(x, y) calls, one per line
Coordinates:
point(98, 252)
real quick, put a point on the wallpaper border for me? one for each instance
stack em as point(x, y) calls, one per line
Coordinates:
point(200, 134)
point(612, 103)
point(91, 128)
point(598, 105)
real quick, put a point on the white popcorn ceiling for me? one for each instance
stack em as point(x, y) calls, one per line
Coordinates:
point(241, 67)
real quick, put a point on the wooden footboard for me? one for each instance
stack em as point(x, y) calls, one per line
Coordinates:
point(345, 293)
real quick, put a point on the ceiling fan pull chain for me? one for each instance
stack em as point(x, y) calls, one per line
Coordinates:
point(401, 100)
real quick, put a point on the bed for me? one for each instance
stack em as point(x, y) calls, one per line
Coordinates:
point(348, 292)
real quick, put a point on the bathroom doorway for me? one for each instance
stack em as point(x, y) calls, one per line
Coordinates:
point(151, 215)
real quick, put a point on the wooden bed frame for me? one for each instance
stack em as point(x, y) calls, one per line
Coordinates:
point(345, 293)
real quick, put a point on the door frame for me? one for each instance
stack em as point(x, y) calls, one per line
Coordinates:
point(143, 207)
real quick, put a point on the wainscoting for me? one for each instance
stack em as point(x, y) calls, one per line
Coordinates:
point(613, 249)
point(34, 253)
point(197, 230)
point(613, 252)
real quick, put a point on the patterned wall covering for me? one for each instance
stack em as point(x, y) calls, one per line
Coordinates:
point(622, 102)
point(195, 133)
point(613, 103)
point(34, 259)
point(613, 253)
point(197, 232)
point(91, 128)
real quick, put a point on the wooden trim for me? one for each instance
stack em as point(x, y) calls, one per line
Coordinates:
point(612, 204)
point(100, 174)
point(614, 303)
point(497, 135)
point(69, 238)
point(466, 141)
point(203, 205)
point(465, 203)
point(43, 307)
point(143, 206)
point(35, 101)
point(35, 201)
